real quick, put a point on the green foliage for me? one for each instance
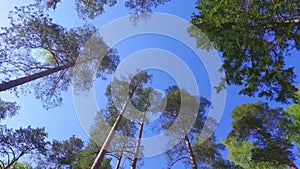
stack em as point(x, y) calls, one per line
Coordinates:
point(31, 29)
point(87, 157)
point(240, 154)
point(14, 144)
point(206, 153)
point(70, 153)
point(258, 134)
point(143, 6)
point(90, 9)
point(64, 153)
point(8, 109)
point(124, 92)
point(142, 9)
point(292, 123)
point(23, 165)
point(255, 39)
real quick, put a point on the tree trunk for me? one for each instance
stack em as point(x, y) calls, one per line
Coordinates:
point(111, 133)
point(190, 151)
point(119, 161)
point(14, 83)
point(292, 165)
point(121, 156)
point(138, 144)
point(107, 142)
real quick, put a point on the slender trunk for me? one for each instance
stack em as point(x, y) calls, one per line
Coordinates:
point(14, 161)
point(121, 156)
point(107, 142)
point(190, 151)
point(14, 83)
point(101, 154)
point(119, 161)
point(138, 144)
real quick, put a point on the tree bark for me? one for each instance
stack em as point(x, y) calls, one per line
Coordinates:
point(14, 83)
point(293, 165)
point(14, 160)
point(138, 144)
point(190, 151)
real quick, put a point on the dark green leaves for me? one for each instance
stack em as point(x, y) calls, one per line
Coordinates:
point(14, 144)
point(259, 133)
point(255, 39)
point(8, 109)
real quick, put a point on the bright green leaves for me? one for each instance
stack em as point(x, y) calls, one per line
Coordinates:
point(292, 123)
point(259, 134)
point(240, 154)
point(23, 165)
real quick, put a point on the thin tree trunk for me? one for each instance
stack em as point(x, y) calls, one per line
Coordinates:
point(101, 154)
point(107, 142)
point(293, 165)
point(121, 156)
point(190, 151)
point(138, 144)
point(14, 83)
point(119, 162)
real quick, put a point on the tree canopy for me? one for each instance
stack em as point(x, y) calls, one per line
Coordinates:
point(90, 9)
point(192, 149)
point(32, 33)
point(258, 134)
point(292, 121)
point(255, 40)
point(14, 144)
point(8, 109)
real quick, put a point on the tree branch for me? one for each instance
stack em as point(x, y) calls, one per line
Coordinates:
point(174, 162)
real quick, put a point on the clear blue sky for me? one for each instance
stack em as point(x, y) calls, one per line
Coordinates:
point(62, 122)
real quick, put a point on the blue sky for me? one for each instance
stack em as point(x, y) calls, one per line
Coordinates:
point(62, 122)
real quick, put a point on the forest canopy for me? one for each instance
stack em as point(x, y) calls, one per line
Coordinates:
point(256, 40)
